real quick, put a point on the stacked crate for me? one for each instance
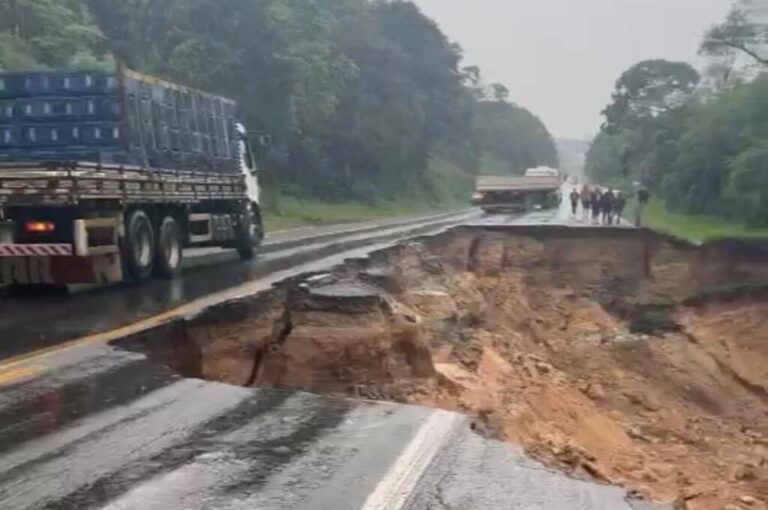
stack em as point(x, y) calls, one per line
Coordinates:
point(122, 118)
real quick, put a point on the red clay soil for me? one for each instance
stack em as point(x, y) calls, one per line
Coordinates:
point(532, 336)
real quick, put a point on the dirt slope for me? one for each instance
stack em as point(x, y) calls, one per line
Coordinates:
point(576, 345)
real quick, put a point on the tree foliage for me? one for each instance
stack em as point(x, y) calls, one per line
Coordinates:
point(647, 90)
point(744, 31)
point(52, 32)
point(511, 139)
point(361, 99)
point(707, 154)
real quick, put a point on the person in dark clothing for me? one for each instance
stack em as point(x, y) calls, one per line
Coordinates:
point(621, 204)
point(606, 207)
point(643, 197)
point(586, 196)
point(574, 201)
point(596, 202)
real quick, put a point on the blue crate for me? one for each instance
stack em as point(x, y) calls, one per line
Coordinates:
point(122, 117)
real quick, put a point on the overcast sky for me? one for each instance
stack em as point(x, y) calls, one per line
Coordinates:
point(561, 58)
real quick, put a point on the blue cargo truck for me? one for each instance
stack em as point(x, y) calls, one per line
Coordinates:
point(108, 176)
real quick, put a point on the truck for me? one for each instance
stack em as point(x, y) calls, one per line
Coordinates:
point(516, 194)
point(542, 171)
point(107, 176)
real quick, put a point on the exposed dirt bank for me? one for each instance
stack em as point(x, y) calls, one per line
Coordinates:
point(615, 355)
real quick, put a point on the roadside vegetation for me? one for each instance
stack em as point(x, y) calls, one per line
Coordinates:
point(352, 101)
point(698, 142)
point(286, 211)
point(697, 228)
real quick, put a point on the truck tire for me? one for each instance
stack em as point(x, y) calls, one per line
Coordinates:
point(248, 233)
point(140, 244)
point(170, 249)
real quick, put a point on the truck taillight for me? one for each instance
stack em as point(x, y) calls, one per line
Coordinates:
point(39, 227)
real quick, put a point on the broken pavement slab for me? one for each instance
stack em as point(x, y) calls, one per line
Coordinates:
point(527, 329)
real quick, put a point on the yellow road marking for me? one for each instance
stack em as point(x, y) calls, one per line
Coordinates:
point(245, 289)
point(99, 338)
point(18, 374)
point(148, 323)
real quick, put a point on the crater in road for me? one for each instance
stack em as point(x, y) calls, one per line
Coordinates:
point(617, 355)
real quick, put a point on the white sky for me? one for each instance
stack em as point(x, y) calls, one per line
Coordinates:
point(561, 58)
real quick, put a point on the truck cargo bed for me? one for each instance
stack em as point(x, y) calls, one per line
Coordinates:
point(71, 183)
point(115, 118)
point(517, 183)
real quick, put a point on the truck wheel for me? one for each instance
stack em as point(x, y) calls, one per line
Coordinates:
point(248, 234)
point(170, 250)
point(139, 245)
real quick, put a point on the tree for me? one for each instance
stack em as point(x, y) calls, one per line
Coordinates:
point(48, 32)
point(743, 32)
point(499, 93)
point(607, 159)
point(647, 90)
point(748, 183)
point(406, 100)
point(362, 99)
point(510, 139)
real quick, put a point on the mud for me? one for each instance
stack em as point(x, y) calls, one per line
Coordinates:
point(616, 355)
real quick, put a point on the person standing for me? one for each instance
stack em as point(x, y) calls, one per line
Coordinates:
point(621, 204)
point(606, 206)
point(595, 200)
point(586, 196)
point(643, 197)
point(574, 201)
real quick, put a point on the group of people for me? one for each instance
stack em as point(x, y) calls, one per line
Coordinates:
point(603, 206)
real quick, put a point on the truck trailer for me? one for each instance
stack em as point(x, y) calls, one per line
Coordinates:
point(108, 176)
point(516, 194)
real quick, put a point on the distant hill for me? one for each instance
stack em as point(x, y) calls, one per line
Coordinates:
point(573, 155)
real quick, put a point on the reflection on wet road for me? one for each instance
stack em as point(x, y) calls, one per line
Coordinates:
point(105, 429)
point(40, 321)
point(28, 323)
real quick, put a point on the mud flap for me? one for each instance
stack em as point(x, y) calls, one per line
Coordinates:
point(102, 269)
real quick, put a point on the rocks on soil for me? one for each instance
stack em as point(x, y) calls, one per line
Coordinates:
point(584, 347)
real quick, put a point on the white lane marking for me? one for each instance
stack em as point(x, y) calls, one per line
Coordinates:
point(396, 486)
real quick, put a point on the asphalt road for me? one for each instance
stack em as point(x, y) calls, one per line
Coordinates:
point(38, 320)
point(102, 428)
point(86, 424)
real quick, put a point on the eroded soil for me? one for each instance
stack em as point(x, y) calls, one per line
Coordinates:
point(617, 356)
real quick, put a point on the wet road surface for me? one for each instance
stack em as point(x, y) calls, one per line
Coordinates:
point(40, 320)
point(561, 216)
point(93, 426)
point(104, 428)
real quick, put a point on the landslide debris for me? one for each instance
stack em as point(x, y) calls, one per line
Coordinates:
point(608, 354)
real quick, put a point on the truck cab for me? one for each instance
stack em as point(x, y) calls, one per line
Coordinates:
point(249, 170)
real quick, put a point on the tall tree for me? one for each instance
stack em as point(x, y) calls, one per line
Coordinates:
point(744, 31)
point(49, 32)
point(510, 139)
point(499, 92)
point(647, 90)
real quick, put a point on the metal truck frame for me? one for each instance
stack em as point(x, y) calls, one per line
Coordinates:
point(515, 194)
point(81, 222)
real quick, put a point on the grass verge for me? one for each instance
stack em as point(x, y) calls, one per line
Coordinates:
point(696, 228)
point(291, 212)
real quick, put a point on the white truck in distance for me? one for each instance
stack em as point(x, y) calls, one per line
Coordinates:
point(542, 171)
point(538, 188)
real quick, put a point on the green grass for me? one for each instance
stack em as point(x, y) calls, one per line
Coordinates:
point(290, 212)
point(695, 228)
